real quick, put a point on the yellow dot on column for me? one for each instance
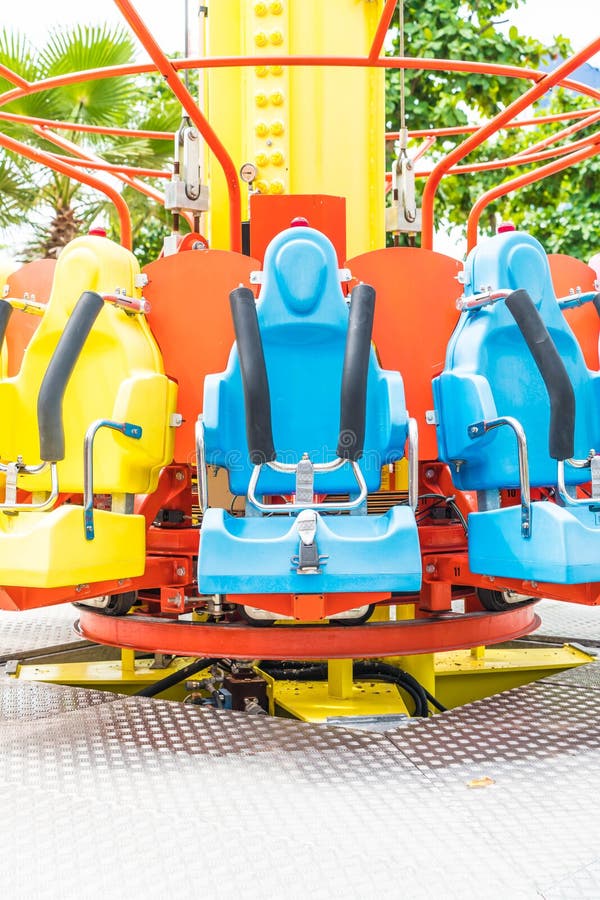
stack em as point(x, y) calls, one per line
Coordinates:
point(261, 71)
point(277, 98)
point(276, 38)
point(277, 158)
point(276, 8)
point(261, 99)
point(260, 9)
point(262, 187)
point(261, 159)
point(261, 39)
point(277, 128)
point(261, 129)
point(276, 70)
point(276, 186)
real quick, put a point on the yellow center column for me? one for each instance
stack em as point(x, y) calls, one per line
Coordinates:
point(308, 129)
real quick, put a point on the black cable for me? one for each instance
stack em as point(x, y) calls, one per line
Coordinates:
point(298, 671)
point(175, 678)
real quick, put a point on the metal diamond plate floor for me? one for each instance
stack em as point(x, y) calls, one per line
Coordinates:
point(107, 796)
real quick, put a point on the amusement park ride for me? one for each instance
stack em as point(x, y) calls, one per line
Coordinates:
point(316, 475)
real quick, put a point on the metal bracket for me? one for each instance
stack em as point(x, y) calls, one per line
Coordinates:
point(13, 470)
point(595, 470)
point(308, 560)
point(305, 480)
point(126, 428)
point(403, 215)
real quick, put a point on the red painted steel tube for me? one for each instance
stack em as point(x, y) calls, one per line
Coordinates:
point(475, 140)
point(216, 62)
point(47, 159)
point(521, 181)
point(166, 69)
point(471, 129)
point(308, 641)
point(87, 129)
point(114, 168)
point(382, 29)
point(563, 133)
point(65, 144)
point(519, 159)
point(137, 185)
point(15, 79)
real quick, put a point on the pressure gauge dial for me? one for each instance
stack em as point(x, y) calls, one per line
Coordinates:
point(248, 172)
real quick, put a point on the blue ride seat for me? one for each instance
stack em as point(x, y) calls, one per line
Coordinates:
point(491, 372)
point(302, 321)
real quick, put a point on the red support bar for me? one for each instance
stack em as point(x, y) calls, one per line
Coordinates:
point(166, 69)
point(236, 641)
point(534, 93)
point(15, 79)
point(88, 129)
point(382, 29)
point(47, 159)
point(471, 129)
point(523, 180)
point(140, 186)
point(520, 159)
point(219, 62)
point(113, 167)
point(563, 133)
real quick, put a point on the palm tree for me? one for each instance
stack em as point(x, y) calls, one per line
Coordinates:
point(62, 208)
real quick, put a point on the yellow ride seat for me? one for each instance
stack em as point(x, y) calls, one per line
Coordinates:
point(7, 267)
point(118, 376)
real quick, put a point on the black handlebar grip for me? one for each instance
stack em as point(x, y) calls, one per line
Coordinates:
point(353, 405)
point(61, 365)
point(596, 302)
point(5, 314)
point(552, 369)
point(257, 399)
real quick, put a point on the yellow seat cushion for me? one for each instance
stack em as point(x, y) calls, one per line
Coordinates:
point(49, 549)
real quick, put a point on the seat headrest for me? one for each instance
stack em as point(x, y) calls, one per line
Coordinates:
point(301, 281)
point(511, 260)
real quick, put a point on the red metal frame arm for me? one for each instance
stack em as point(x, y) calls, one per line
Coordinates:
point(47, 159)
point(166, 69)
point(15, 79)
point(113, 168)
point(382, 29)
point(471, 129)
point(519, 159)
point(216, 62)
point(547, 81)
point(137, 185)
point(523, 180)
point(88, 129)
point(563, 133)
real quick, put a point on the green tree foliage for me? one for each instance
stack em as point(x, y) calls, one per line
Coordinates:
point(63, 208)
point(559, 210)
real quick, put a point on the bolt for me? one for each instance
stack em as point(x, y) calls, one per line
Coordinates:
point(180, 571)
point(179, 476)
point(429, 473)
point(430, 568)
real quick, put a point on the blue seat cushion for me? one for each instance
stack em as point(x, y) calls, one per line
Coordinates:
point(364, 554)
point(564, 547)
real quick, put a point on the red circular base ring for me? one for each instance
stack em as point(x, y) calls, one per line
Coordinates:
point(241, 641)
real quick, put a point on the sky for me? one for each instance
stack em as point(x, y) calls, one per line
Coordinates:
point(538, 18)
